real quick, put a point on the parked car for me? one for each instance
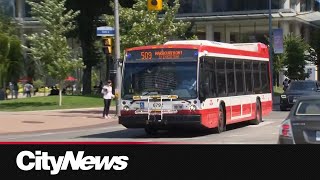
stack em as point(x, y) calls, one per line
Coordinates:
point(297, 89)
point(302, 126)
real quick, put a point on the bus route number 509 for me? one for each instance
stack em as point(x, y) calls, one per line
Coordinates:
point(146, 55)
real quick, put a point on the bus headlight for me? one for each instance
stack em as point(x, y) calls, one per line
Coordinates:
point(126, 108)
point(193, 107)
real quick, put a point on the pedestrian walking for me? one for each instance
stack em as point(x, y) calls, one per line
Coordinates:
point(11, 89)
point(16, 90)
point(107, 97)
point(285, 84)
point(28, 87)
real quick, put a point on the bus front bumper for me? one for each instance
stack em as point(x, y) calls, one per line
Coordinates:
point(168, 121)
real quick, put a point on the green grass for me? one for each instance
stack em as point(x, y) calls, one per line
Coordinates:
point(51, 103)
point(277, 90)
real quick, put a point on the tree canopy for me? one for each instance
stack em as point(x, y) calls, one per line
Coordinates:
point(10, 51)
point(50, 48)
point(139, 27)
point(295, 57)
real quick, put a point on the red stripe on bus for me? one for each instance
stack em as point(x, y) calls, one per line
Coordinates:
point(210, 116)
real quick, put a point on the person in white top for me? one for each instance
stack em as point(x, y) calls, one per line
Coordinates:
point(107, 96)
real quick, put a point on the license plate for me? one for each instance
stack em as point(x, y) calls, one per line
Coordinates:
point(317, 135)
point(294, 100)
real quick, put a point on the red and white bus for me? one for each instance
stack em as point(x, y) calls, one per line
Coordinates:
point(195, 83)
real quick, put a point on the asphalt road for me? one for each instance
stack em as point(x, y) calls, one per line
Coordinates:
point(241, 133)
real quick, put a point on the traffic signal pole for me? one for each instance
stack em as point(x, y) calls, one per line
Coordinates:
point(117, 57)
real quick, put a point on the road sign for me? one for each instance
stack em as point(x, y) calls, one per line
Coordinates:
point(105, 31)
point(278, 41)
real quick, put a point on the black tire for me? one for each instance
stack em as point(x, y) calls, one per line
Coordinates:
point(258, 118)
point(150, 130)
point(221, 121)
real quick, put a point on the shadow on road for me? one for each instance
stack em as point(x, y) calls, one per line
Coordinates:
point(82, 113)
point(87, 111)
point(174, 133)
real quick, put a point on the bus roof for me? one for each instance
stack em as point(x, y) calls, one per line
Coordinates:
point(243, 49)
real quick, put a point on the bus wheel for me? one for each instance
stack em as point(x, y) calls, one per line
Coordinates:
point(150, 130)
point(221, 121)
point(258, 118)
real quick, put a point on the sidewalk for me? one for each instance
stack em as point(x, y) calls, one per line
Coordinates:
point(37, 121)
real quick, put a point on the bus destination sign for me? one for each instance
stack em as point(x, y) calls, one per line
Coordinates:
point(162, 54)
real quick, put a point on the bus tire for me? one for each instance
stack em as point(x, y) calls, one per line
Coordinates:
point(221, 121)
point(151, 130)
point(258, 114)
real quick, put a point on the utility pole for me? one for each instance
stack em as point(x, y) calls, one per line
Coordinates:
point(117, 56)
point(271, 47)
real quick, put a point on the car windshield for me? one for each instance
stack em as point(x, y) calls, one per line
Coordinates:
point(165, 78)
point(308, 107)
point(302, 86)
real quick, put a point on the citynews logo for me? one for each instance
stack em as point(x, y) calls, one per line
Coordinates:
point(42, 161)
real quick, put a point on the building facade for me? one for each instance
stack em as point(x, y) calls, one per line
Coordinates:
point(248, 20)
point(230, 21)
point(235, 21)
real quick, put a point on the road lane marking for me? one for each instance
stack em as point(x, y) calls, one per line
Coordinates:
point(238, 135)
point(63, 132)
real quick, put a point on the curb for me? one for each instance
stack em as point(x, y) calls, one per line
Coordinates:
point(58, 110)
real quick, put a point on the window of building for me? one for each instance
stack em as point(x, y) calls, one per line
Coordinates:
point(293, 4)
point(217, 36)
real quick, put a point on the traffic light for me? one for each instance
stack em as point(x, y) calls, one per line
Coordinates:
point(107, 42)
point(155, 5)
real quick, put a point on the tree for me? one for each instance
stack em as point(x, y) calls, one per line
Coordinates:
point(10, 51)
point(139, 27)
point(50, 48)
point(87, 22)
point(294, 59)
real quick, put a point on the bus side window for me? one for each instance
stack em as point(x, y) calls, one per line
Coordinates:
point(204, 81)
point(207, 78)
point(239, 77)
point(230, 77)
point(256, 78)
point(248, 76)
point(265, 82)
point(221, 77)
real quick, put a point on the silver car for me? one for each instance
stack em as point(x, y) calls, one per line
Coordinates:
point(302, 126)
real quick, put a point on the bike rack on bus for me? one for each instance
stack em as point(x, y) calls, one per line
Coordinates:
point(160, 111)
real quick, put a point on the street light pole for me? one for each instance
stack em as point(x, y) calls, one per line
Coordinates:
point(270, 47)
point(117, 56)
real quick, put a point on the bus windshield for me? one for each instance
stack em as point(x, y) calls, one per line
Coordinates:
point(161, 78)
